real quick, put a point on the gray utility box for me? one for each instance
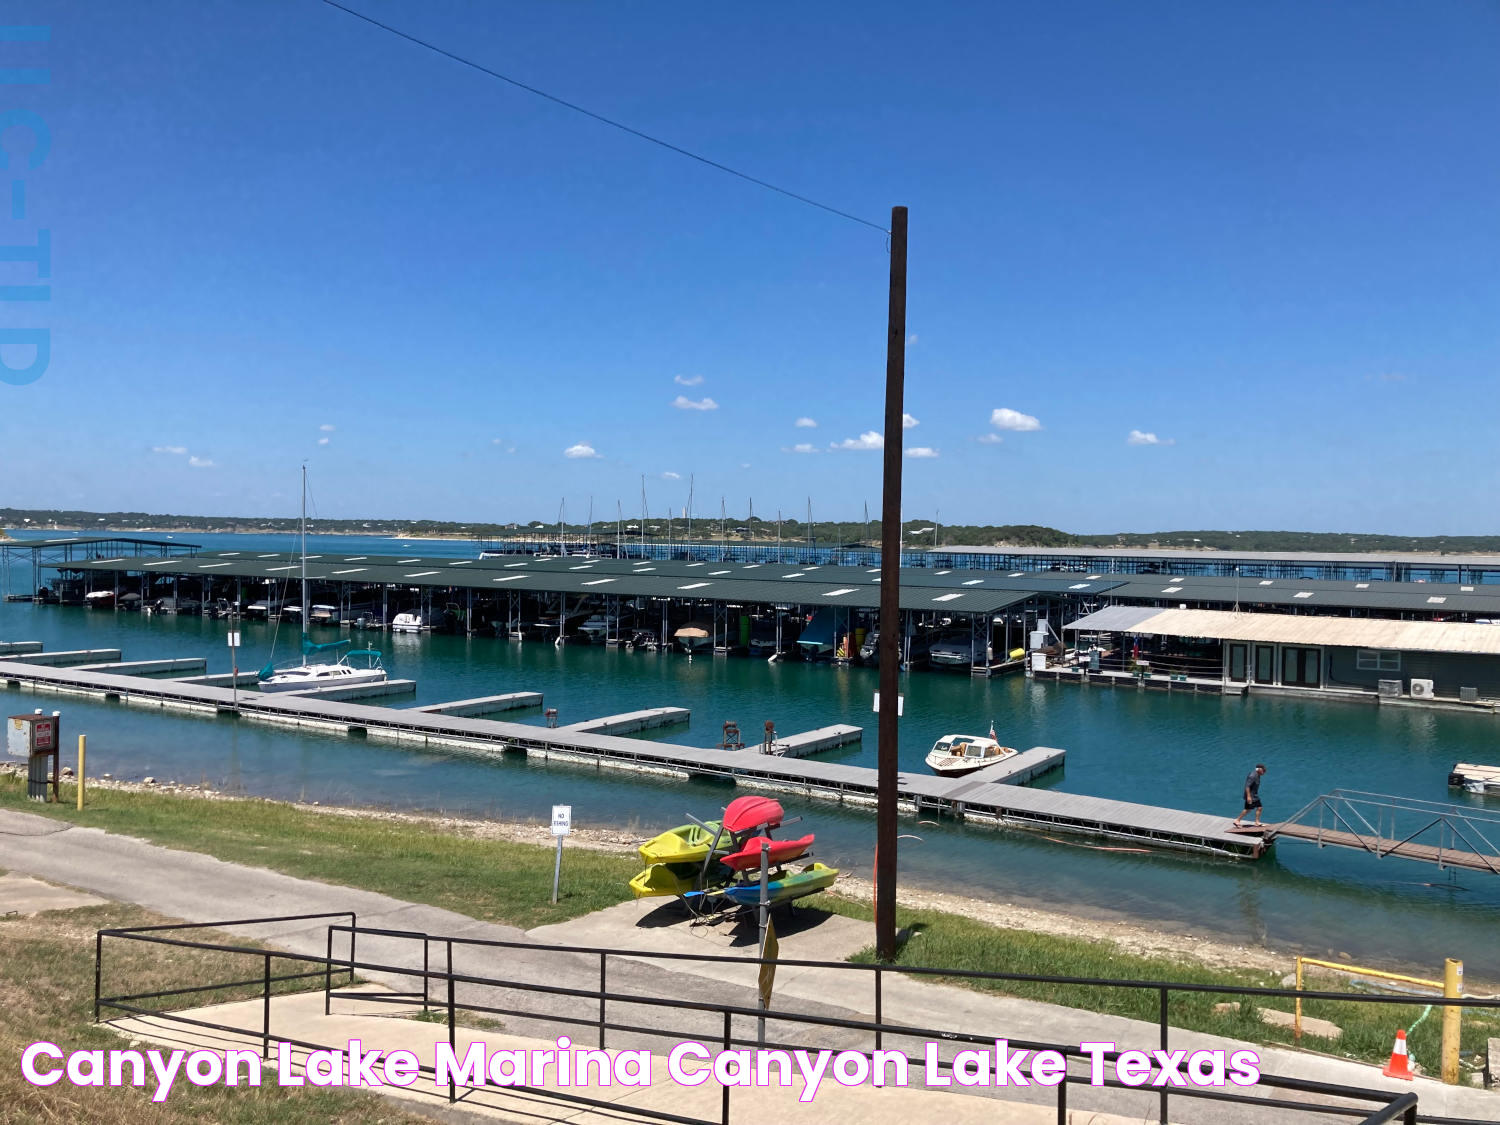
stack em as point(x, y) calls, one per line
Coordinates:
point(35, 737)
point(1390, 689)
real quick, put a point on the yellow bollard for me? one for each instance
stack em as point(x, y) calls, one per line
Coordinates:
point(1297, 1022)
point(1453, 989)
point(82, 743)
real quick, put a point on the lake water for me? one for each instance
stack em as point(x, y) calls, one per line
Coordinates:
point(1181, 751)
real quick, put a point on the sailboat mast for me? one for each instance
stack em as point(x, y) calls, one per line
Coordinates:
point(306, 612)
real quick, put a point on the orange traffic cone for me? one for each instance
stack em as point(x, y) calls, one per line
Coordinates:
point(1399, 1066)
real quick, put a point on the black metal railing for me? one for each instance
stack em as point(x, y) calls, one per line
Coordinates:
point(1369, 1106)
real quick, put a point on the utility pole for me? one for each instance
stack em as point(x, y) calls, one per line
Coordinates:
point(890, 598)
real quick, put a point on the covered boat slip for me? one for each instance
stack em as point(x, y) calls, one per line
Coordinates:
point(1387, 659)
point(986, 797)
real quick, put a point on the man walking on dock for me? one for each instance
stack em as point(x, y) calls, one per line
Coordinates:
point(1252, 794)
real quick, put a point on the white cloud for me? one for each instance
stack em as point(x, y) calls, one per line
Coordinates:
point(912, 339)
point(682, 402)
point(327, 427)
point(323, 441)
point(1140, 437)
point(870, 439)
point(174, 449)
point(801, 447)
point(921, 451)
point(908, 422)
point(989, 439)
point(582, 450)
point(1004, 418)
point(687, 380)
point(669, 475)
point(805, 423)
point(200, 463)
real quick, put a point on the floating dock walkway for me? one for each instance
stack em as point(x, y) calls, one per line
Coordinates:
point(816, 741)
point(148, 667)
point(19, 648)
point(985, 798)
point(1430, 831)
point(74, 658)
point(485, 704)
point(630, 721)
point(221, 679)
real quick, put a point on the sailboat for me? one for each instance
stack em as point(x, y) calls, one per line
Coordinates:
point(362, 666)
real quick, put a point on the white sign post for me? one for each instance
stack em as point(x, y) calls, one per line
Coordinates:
point(234, 667)
point(562, 824)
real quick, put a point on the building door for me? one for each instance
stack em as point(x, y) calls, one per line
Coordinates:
point(1301, 667)
point(1265, 664)
point(1237, 663)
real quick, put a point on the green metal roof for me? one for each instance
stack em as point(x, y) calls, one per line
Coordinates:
point(745, 584)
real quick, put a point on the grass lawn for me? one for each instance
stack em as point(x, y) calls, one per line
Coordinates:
point(511, 883)
point(950, 941)
point(493, 880)
point(47, 990)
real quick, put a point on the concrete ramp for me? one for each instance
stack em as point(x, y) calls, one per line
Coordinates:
point(484, 704)
point(631, 721)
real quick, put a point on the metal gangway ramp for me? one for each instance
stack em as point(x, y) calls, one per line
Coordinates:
point(1431, 831)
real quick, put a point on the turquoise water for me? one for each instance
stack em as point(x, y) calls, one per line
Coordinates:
point(1184, 752)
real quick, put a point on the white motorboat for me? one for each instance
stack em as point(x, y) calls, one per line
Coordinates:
point(694, 637)
point(954, 755)
point(600, 627)
point(409, 623)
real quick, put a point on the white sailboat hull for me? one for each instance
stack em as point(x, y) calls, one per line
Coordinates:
point(322, 675)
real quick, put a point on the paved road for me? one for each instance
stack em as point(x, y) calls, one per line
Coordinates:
point(199, 888)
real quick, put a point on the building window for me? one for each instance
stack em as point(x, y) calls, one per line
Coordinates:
point(1377, 660)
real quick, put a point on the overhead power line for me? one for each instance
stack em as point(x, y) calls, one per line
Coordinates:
point(433, 47)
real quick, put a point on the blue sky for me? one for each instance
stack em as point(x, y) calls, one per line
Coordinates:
point(1262, 238)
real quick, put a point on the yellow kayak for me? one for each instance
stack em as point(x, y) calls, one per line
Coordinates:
point(663, 879)
point(686, 844)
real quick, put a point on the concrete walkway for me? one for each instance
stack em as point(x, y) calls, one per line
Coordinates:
point(301, 1017)
point(194, 887)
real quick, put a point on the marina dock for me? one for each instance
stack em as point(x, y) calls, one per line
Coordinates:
point(19, 648)
point(73, 658)
point(982, 800)
point(1475, 778)
point(356, 691)
point(630, 721)
point(221, 679)
point(148, 667)
point(816, 741)
point(485, 704)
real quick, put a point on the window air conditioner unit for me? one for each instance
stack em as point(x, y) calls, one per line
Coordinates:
point(1390, 689)
point(1421, 689)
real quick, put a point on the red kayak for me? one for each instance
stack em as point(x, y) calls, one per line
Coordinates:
point(745, 814)
point(782, 851)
